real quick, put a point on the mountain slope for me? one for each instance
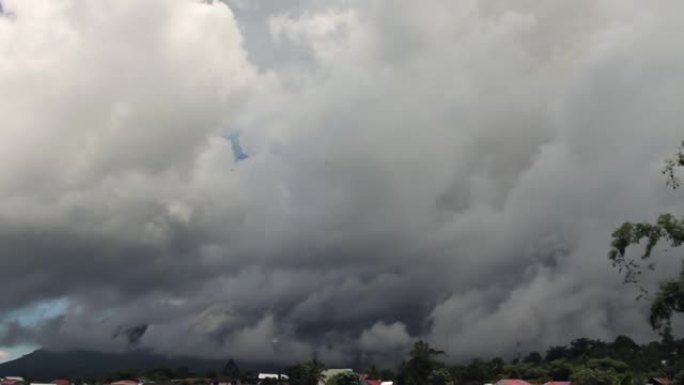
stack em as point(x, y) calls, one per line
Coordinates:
point(46, 365)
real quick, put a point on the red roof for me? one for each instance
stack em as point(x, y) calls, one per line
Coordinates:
point(125, 382)
point(509, 381)
point(374, 382)
point(61, 381)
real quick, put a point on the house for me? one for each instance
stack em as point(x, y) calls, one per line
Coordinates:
point(264, 378)
point(125, 382)
point(11, 381)
point(61, 381)
point(511, 381)
point(659, 381)
point(272, 376)
point(330, 373)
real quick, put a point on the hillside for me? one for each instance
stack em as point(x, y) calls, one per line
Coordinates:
point(47, 365)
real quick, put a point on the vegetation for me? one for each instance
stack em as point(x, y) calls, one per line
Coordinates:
point(231, 371)
point(308, 373)
point(666, 229)
point(583, 361)
point(344, 378)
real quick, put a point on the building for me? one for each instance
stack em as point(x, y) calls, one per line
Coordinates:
point(330, 373)
point(659, 381)
point(511, 381)
point(126, 382)
point(272, 376)
point(10, 380)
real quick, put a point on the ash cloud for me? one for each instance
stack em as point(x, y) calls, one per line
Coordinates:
point(441, 170)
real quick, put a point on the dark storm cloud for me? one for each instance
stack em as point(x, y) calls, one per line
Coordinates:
point(443, 170)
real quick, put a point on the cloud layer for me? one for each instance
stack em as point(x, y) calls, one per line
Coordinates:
point(441, 170)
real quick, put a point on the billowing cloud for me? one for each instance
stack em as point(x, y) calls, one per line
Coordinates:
point(441, 170)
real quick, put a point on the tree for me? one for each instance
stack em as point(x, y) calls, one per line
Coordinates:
point(475, 372)
point(560, 370)
point(607, 363)
point(387, 375)
point(440, 376)
point(231, 370)
point(308, 373)
point(625, 344)
point(345, 378)
point(494, 369)
point(249, 377)
point(588, 376)
point(372, 372)
point(421, 363)
point(533, 358)
point(555, 353)
point(667, 228)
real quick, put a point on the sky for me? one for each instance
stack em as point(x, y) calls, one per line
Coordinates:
point(344, 177)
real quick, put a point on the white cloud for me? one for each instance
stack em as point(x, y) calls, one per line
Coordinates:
point(416, 170)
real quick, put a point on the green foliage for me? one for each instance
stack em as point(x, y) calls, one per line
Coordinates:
point(668, 299)
point(554, 353)
point(533, 358)
point(592, 376)
point(624, 344)
point(671, 164)
point(345, 378)
point(372, 372)
point(440, 376)
point(308, 373)
point(387, 375)
point(585, 361)
point(531, 372)
point(560, 370)
point(667, 228)
point(607, 364)
point(420, 365)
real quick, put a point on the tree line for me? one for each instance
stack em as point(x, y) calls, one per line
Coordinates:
point(583, 361)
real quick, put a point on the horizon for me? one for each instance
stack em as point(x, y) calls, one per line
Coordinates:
point(581, 361)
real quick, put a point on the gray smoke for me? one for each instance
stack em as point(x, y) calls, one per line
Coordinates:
point(441, 170)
